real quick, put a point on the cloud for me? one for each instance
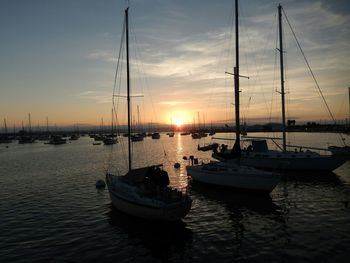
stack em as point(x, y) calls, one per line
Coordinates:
point(100, 97)
point(176, 103)
point(104, 55)
point(192, 66)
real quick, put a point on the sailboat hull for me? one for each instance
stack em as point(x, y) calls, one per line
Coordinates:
point(321, 163)
point(289, 161)
point(127, 201)
point(240, 177)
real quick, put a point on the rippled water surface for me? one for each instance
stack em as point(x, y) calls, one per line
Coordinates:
point(51, 211)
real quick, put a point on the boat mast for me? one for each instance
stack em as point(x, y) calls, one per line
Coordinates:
point(128, 83)
point(30, 124)
point(282, 78)
point(112, 123)
point(47, 124)
point(5, 126)
point(237, 148)
point(138, 119)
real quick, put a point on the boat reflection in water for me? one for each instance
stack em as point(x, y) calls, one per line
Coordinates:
point(164, 240)
point(239, 220)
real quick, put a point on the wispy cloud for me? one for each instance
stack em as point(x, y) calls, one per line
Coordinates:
point(175, 103)
point(100, 97)
point(104, 55)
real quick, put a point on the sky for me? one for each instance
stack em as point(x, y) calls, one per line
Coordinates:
point(58, 60)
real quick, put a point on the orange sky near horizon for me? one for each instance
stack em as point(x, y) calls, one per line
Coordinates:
point(66, 73)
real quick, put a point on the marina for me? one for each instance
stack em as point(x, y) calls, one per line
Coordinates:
point(178, 132)
point(51, 208)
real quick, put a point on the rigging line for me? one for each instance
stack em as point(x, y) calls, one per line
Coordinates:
point(229, 81)
point(247, 91)
point(286, 79)
point(274, 89)
point(219, 61)
point(118, 62)
point(309, 67)
point(118, 73)
point(141, 68)
point(311, 72)
point(259, 65)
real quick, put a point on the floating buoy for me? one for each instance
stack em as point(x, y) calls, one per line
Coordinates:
point(177, 165)
point(100, 184)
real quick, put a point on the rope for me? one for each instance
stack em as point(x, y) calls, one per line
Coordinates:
point(311, 72)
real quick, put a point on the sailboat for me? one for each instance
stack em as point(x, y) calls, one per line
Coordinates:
point(258, 155)
point(26, 137)
point(145, 192)
point(110, 139)
point(4, 138)
point(233, 174)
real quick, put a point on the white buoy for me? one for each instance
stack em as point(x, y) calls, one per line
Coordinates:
point(100, 184)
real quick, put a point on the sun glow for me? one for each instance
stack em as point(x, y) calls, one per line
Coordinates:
point(178, 121)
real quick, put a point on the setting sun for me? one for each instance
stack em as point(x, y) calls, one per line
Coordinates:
point(178, 121)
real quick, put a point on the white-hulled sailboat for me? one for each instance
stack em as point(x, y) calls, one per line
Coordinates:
point(145, 192)
point(258, 155)
point(234, 174)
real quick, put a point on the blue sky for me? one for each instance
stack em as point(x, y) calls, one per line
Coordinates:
point(57, 59)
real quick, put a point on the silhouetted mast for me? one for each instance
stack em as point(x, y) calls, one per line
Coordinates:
point(5, 126)
point(282, 78)
point(30, 124)
point(112, 123)
point(236, 150)
point(47, 124)
point(128, 83)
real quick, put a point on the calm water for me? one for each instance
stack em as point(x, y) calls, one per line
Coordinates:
point(51, 211)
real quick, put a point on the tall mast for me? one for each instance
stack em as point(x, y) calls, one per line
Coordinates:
point(128, 83)
point(236, 148)
point(30, 124)
point(5, 126)
point(138, 119)
point(112, 122)
point(47, 124)
point(199, 123)
point(282, 78)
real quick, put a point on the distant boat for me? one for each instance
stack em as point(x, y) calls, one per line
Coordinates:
point(145, 192)
point(98, 137)
point(26, 139)
point(74, 137)
point(196, 135)
point(171, 134)
point(110, 139)
point(258, 155)
point(24, 136)
point(208, 147)
point(156, 135)
point(57, 140)
point(4, 138)
point(229, 174)
point(137, 138)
